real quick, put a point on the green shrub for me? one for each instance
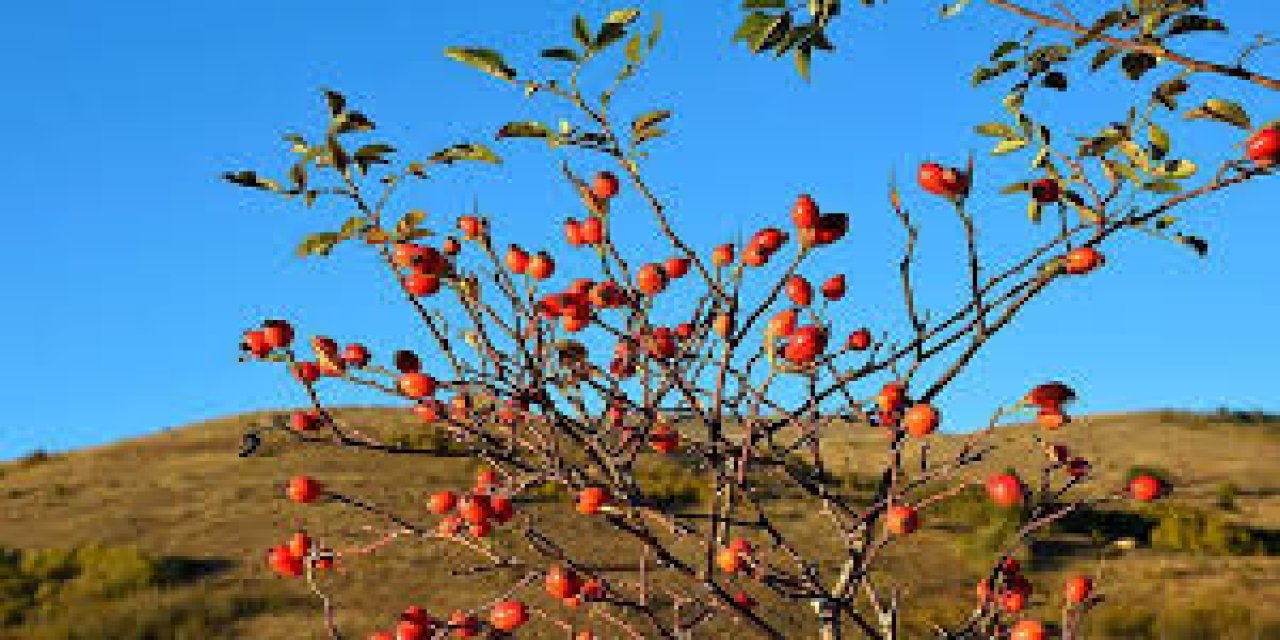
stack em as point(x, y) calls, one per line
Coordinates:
point(1192, 530)
point(430, 438)
point(39, 587)
point(987, 527)
point(669, 484)
point(1120, 622)
point(1224, 496)
point(1222, 622)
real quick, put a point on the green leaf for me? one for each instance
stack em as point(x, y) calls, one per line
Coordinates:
point(1004, 49)
point(954, 9)
point(1124, 169)
point(646, 120)
point(764, 4)
point(1221, 110)
point(409, 222)
point(486, 60)
point(465, 151)
point(1160, 142)
point(1191, 23)
point(804, 58)
point(635, 50)
point(1017, 187)
point(773, 34)
point(1135, 153)
point(983, 74)
point(995, 130)
point(656, 32)
point(560, 53)
point(648, 134)
point(352, 226)
point(753, 25)
point(319, 244)
point(1008, 146)
point(622, 17)
point(1175, 170)
point(581, 32)
point(1162, 186)
point(1041, 159)
point(524, 130)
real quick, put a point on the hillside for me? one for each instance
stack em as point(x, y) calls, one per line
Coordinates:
point(177, 525)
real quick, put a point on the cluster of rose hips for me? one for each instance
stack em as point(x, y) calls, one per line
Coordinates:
point(1013, 590)
point(814, 227)
point(893, 407)
point(733, 558)
point(479, 509)
point(953, 184)
point(290, 559)
point(417, 624)
point(262, 342)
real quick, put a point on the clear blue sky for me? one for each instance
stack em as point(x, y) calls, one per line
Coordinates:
point(128, 270)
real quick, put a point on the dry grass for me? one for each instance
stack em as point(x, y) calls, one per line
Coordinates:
point(184, 494)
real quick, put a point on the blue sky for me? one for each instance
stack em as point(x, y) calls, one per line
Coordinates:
point(129, 269)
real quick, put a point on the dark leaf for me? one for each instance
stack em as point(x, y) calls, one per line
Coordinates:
point(610, 33)
point(251, 180)
point(764, 4)
point(1192, 23)
point(1108, 20)
point(1197, 244)
point(560, 53)
point(1004, 49)
point(337, 103)
point(1168, 92)
point(1136, 65)
point(773, 35)
point(524, 130)
point(1055, 80)
point(1102, 57)
point(351, 122)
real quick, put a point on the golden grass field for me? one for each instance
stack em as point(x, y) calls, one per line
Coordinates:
point(171, 531)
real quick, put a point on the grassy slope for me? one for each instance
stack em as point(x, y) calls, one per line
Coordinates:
point(184, 493)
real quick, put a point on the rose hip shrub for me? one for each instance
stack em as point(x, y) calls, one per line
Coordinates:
point(566, 375)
